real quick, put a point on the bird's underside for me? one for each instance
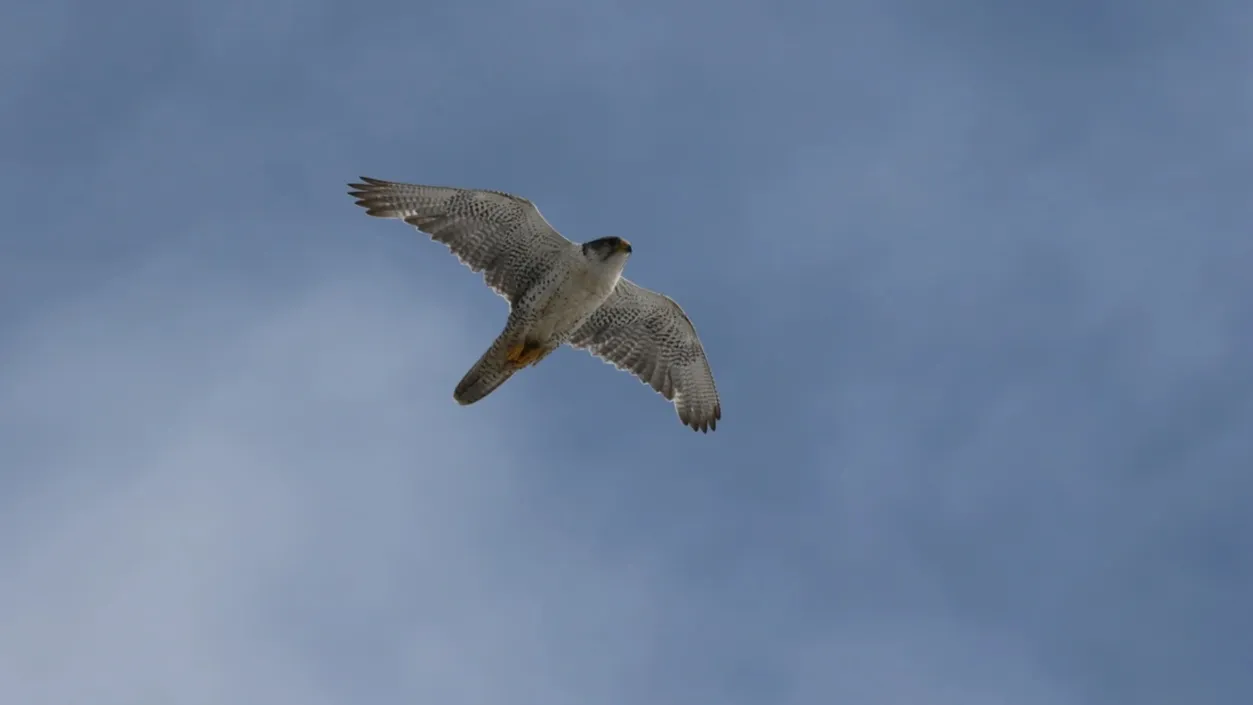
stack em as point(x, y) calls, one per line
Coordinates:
point(506, 239)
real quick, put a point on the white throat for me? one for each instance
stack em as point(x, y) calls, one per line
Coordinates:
point(606, 272)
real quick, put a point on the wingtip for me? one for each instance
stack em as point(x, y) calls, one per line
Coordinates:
point(704, 425)
point(366, 183)
point(366, 196)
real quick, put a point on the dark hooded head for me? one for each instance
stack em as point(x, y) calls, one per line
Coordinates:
point(606, 247)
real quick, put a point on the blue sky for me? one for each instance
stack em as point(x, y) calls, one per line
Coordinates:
point(974, 282)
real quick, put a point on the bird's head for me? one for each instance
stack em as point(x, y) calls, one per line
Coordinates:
point(606, 248)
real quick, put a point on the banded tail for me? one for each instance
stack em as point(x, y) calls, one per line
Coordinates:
point(508, 354)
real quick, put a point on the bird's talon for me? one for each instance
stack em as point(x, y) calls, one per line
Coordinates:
point(523, 354)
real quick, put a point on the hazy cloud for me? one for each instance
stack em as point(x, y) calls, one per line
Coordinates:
point(974, 285)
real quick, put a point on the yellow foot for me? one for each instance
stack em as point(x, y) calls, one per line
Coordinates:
point(525, 353)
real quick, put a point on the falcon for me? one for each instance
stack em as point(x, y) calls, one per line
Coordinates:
point(559, 292)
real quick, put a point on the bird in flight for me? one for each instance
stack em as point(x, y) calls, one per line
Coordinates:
point(559, 292)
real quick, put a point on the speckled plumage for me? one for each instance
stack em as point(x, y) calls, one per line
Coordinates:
point(559, 292)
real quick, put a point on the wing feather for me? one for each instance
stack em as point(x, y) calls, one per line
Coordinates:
point(649, 335)
point(499, 234)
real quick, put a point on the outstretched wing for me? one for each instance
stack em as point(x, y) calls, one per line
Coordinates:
point(648, 335)
point(499, 234)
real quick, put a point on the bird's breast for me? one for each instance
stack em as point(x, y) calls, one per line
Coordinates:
point(572, 302)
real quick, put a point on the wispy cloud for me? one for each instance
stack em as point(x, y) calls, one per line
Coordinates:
point(974, 286)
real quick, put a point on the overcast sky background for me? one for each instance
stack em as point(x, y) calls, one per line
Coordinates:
point(974, 281)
